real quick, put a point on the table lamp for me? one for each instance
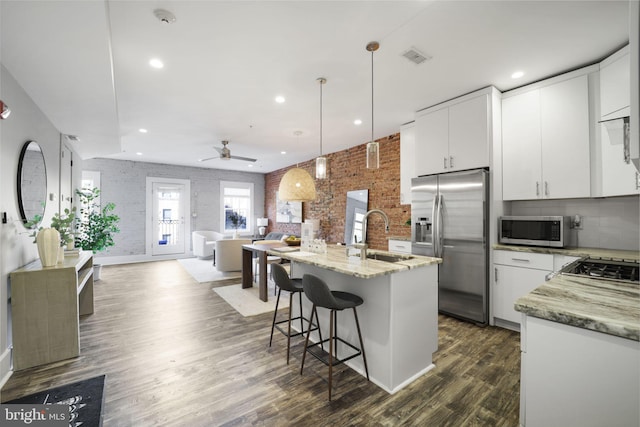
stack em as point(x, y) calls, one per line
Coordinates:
point(262, 225)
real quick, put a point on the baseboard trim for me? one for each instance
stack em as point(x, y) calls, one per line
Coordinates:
point(130, 259)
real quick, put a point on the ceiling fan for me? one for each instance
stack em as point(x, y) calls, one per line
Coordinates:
point(225, 154)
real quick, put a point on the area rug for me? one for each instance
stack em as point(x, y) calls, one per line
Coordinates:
point(84, 398)
point(247, 301)
point(202, 270)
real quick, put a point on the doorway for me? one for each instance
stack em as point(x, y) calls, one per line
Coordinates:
point(169, 221)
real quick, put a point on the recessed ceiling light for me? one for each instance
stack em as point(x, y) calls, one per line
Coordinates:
point(156, 63)
point(139, 153)
point(283, 152)
point(517, 74)
point(280, 99)
point(249, 165)
point(142, 130)
point(357, 122)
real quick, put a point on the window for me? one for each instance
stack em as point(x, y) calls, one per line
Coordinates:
point(237, 206)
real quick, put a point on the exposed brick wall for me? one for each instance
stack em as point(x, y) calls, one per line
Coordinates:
point(347, 172)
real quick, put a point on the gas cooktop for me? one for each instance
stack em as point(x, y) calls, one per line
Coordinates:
point(626, 271)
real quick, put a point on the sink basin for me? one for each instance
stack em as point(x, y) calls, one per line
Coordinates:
point(389, 257)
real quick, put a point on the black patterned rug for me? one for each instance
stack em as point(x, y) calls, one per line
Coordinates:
point(85, 399)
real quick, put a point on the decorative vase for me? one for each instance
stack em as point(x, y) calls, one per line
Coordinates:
point(60, 254)
point(48, 242)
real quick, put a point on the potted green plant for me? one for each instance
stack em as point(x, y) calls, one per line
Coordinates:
point(237, 221)
point(63, 223)
point(96, 226)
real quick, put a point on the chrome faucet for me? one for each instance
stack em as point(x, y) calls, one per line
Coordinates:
point(363, 245)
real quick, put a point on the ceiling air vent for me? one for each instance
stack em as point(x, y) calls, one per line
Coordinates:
point(415, 56)
point(72, 138)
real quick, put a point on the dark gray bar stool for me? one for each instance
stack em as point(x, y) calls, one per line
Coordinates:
point(319, 294)
point(293, 286)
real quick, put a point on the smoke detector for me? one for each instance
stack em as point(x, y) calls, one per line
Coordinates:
point(165, 16)
point(415, 56)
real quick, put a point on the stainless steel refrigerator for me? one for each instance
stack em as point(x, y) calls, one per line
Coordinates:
point(449, 217)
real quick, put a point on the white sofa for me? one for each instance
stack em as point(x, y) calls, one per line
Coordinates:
point(228, 253)
point(204, 242)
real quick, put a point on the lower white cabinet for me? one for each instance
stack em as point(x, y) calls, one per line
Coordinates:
point(515, 275)
point(400, 246)
point(574, 377)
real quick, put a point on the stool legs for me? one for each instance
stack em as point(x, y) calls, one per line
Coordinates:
point(364, 358)
point(333, 343)
point(311, 326)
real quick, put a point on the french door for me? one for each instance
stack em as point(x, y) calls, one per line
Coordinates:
point(169, 224)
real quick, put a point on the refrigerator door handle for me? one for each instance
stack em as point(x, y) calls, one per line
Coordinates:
point(438, 231)
point(434, 226)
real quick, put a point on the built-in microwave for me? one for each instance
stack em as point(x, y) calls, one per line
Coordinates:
point(551, 231)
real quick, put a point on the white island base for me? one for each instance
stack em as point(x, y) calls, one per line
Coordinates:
point(398, 320)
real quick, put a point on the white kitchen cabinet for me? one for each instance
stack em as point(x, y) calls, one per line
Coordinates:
point(432, 142)
point(617, 175)
point(615, 85)
point(454, 135)
point(574, 377)
point(515, 275)
point(407, 161)
point(400, 246)
point(546, 139)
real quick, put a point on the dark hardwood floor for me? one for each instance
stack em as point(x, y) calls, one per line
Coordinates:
point(176, 354)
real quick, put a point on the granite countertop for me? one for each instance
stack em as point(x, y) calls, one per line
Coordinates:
point(403, 238)
point(336, 259)
point(615, 254)
point(600, 305)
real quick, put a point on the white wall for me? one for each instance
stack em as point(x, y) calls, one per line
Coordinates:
point(610, 223)
point(123, 182)
point(26, 122)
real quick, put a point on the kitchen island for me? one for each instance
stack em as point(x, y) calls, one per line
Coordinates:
point(399, 317)
point(580, 360)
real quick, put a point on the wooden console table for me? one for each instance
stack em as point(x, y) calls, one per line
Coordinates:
point(46, 303)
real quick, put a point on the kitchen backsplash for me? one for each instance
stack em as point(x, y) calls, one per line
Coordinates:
point(610, 223)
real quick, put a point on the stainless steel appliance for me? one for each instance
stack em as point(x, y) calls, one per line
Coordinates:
point(624, 271)
point(550, 231)
point(449, 213)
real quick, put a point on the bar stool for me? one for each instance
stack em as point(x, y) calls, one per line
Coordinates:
point(319, 294)
point(293, 286)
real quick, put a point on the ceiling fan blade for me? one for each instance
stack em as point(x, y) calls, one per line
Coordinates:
point(246, 159)
point(208, 158)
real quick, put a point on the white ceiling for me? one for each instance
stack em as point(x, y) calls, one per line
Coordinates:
point(85, 63)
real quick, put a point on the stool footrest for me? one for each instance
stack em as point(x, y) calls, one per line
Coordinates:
point(313, 326)
point(322, 355)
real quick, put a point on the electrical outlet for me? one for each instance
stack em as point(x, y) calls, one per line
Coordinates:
point(576, 222)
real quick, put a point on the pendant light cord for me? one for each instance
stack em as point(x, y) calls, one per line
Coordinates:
point(321, 83)
point(372, 96)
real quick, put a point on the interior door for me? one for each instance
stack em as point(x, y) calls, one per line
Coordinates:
point(66, 186)
point(169, 217)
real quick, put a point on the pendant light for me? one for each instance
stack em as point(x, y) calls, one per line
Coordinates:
point(297, 185)
point(373, 148)
point(321, 162)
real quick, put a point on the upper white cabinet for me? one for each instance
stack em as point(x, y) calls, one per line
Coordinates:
point(617, 176)
point(454, 135)
point(546, 139)
point(407, 161)
point(615, 85)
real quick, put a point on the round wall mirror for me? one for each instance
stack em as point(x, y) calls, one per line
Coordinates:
point(32, 183)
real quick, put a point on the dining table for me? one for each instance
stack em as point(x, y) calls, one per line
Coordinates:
point(259, 250)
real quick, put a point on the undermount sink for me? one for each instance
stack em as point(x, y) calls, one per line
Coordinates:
point(388, 257)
